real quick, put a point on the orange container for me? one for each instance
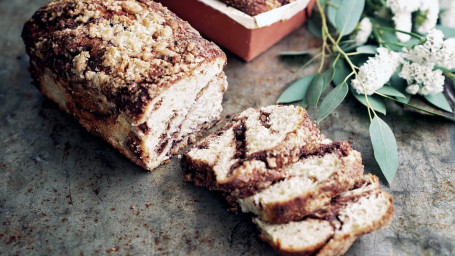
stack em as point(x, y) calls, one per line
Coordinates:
point(245, 36)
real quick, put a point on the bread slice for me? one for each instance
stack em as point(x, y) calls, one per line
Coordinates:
point(332, 229)
point(249, 153)
point(129, 71)
point(310, 184)
point(255, 7)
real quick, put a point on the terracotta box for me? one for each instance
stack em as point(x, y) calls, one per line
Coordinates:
point(244, 35)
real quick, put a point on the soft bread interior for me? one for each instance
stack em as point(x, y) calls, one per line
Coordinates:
point(304, 178)
point(297, 236)
point(205, 108)
point(267, 128)
point(205, 111)
point(281, 133)
point(356, 212)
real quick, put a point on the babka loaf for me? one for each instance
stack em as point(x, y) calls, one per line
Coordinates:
point(248, 154)
point(129, 71)
point(255, 7)
point(332, 229)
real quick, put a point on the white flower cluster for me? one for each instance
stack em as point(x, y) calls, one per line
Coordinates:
point(377, 71)
point(434, 51)
point(417, 74)
point(431, 9)
point(403, 9)
point(364, 30)
point(447, 15)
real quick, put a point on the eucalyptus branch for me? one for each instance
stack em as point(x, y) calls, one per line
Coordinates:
point(353, 68)
point(351, 33)
point(326, 34)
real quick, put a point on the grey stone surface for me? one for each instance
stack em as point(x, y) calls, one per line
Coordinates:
point(66, 192)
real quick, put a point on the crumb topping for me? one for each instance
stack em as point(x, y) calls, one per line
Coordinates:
point(128, 50)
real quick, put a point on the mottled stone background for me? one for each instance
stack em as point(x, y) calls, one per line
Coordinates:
point(66, 192)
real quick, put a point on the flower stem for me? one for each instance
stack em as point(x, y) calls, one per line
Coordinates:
point(310, 61)
point(403, 32)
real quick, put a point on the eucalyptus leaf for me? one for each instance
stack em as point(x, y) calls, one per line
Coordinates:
point(348, 48)
point(400, 84)
point(375, 101)
point(328, 77)
point(314, 26)
point(444, 69)
point(388, 36)
point(332, 12)
point(315, 90)
point(303, 103)
point(345, 14)
point(347, 42)
point(332, 100)
point(390, 91)
point(296, 91)
point(367, 49)
point(385, 148)
point(341, 71)
point(439, 100)
point(448, 32)
point(360, 59)
point(296, 53)
point(411, 42)
point(426, 110)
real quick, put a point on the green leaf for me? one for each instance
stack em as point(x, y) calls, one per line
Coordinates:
point(332, 100)
point(332, 12)
point(400, 84)
point(314, 26)
point(375, 101)
point(346, 17)
point(451, 118)
point(360, 59)
point(439, 100)
point(411, 42)
point(444, 69)
point(303, 104)
point(448, 32)
point(388, 36)
point(388, 90)
point(367, 49)
point(341, 71)
point(315, 90)
point(328, 77)
point(385, 148)
point(296, 91)
point(296, 53)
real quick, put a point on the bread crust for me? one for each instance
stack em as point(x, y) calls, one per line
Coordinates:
point(255, 7)
point(107, 63)
point(81, 41)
